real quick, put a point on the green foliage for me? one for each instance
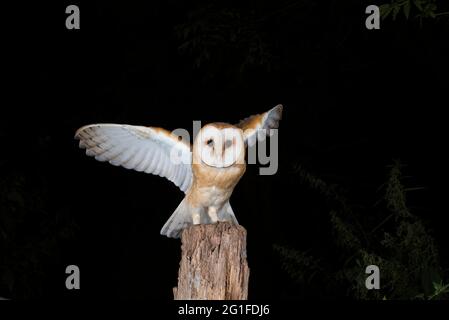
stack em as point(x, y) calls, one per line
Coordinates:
point(440, 290)
point(395, 193)
point(301, 266)
point(213, 33)
point(344, 233)
point(31, 234)
point(418, 8)
point(393, 238)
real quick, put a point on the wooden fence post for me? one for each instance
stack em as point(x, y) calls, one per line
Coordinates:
point(213, 263)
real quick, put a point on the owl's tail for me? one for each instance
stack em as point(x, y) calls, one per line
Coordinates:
point(182, 218)
point(178, 221)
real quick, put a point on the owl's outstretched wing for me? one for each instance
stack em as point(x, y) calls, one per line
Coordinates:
point(267, 120)
point(148, 149)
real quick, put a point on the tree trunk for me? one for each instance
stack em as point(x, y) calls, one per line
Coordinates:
point(213, 263)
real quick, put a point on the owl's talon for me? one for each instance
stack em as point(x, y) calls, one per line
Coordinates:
point(212, 212)
point(196, 218)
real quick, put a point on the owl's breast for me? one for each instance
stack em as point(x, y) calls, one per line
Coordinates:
point(223, 178)
point(212, 186)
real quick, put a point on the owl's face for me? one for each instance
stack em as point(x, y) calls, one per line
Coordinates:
point(219, 145)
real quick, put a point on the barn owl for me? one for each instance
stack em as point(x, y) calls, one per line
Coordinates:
point(206, 172)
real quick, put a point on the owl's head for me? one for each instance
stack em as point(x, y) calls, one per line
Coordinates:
point(219, 145)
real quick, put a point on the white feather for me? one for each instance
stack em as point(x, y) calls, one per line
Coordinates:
point(139, 148)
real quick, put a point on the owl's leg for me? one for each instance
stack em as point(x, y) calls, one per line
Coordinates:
point(212, 212)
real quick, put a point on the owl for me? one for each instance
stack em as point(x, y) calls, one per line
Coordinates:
point(206, 171)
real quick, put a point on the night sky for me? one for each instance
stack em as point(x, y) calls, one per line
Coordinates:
point(355, 100)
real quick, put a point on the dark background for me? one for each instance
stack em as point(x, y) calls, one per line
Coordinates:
point(355, 100)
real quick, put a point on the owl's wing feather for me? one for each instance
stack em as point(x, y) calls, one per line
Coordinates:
point(146, 149)
point(268, 120)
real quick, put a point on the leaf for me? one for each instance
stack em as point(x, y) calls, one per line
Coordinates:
point(385, 10)
point(418, 4)
point(445, 288)
point(407, 9)
point(437, 286)
point(396, 10)
point(429, 10)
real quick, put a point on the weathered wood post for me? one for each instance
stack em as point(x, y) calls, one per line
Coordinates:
point(213, 263)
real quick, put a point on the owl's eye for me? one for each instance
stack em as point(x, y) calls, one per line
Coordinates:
point(210, 142)
point(228, 143)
